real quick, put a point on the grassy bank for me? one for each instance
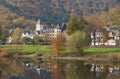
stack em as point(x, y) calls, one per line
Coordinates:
point(102, 51)
point(29, 49)
point(46, 49)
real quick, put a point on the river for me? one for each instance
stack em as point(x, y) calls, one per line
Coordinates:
point(27, 68)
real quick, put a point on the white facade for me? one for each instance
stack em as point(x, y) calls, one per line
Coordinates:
point(45, 31)
point(98, 37)
point(98, 40)
point(26, 34)
point(51, 31)
point(9, 40)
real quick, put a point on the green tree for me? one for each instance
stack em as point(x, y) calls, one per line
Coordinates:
point(37, 40)
point(27, 40)
point(77, 41)
point(76, 23)
point(16, 36)
point(46, 38)
point(4, 34)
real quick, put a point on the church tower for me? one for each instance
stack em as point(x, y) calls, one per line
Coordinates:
point(39, 26)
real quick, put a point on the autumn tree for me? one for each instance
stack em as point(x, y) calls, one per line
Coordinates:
point(7, 17)
point(10, 20)
point(30, 23)
point(76, 23)
point(58, 44)
point(16, 36)
point(18, 22)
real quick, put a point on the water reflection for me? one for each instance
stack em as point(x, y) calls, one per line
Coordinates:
point(11, 69)
point(55, 69)
point(77, 70)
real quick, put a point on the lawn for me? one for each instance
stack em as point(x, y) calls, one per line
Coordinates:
point(102, 50)
point(46, 49)
point(29, 49)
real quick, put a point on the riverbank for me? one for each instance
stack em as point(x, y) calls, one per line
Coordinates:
point(45, 50)
point(82, 58)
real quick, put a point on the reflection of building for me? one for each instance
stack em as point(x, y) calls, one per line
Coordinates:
point(97, 68)
point(98, 37)
point(101, 68)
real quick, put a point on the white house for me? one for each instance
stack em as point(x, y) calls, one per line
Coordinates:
point(9, 40)
point(28, 34)
point(98, 37)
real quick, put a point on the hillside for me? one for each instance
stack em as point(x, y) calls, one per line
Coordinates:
point(57, 11)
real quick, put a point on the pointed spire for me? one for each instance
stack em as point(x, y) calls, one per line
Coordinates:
point(38, 21)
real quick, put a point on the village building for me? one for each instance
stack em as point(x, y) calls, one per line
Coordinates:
point(49, 30)
point(46, 30)
point(29, 34)
point(97, 37)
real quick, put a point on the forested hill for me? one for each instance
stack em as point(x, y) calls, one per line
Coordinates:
point(57, 11)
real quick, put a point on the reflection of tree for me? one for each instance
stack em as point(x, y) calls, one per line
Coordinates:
point(77, 70)
point(105, 73)
point(4, 68)
point(16, 68)
point(58, 69)
point(10, 68)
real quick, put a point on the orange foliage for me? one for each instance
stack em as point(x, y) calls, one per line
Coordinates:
point(58, 44)
point(58, 69)
point(5, 52)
